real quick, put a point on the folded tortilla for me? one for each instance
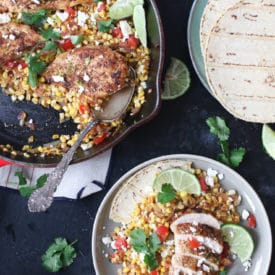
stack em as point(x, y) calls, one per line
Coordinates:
point(138, 186)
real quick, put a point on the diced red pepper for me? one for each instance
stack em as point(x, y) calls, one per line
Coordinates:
point(193, 243)
point(99, 139)
point(154, 272)
point(251, 221)
point(83, 109)
point(12, 64)
point(67, 44)
point(71, 12)
point(162, 232)
point(120, 243)
point(102, 7)
point(204, 186)
point(117, 32)
point(132, 42)
point(23, 64)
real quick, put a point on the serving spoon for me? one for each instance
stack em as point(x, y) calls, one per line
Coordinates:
point(42, 198)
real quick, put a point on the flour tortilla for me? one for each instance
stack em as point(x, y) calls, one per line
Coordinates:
point(138, 187)
point(240, 61)
point(212, 12)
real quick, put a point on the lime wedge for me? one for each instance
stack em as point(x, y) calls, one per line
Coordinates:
point(177, 80)
point(180, 179)
point(268, 140)
point(239, 240)
point(140, 24)
point(123, 8)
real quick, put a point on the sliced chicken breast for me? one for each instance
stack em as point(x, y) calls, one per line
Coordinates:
point(15, 39)
point(95, 72)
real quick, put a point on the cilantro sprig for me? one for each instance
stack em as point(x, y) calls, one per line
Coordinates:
point(36, 19)
point(167, 193)
point(60, 254)
point(26, 190)
point(105, 26)
point(149, 246)
point(218, 127)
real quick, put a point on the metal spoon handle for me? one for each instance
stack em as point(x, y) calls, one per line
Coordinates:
point(42, 198)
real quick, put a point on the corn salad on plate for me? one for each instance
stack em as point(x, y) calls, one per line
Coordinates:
point(60, 60)
point(181, 213)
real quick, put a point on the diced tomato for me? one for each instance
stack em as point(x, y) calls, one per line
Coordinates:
point(99, 139)
point(204, 186)
point(12, 64)
point(23, 64)
point(251, 221)
point(83, 109)
point(102, 7)
point(117, 32)
point(154, 272)
point(162, 232)
point(67, 44)
point(120, 242)
point(132, 42)
point(71, 12)
point(193, 243)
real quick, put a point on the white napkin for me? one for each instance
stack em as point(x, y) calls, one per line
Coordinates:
point(80, 180)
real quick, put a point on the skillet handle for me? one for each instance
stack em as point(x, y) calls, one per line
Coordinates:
point(42, 198)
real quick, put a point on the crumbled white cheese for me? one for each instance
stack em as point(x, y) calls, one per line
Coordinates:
point(50, 21)
point(165, 253)
point(5, 36)
point(205, 268)
point(141, 256)
point(85, 146)
point(58, 78)
point(63, 16)
point(220, 176)
point(81, 18)
point(200, 262)
point(80, 89)
point(106, 240)
point(86, 78)
point(245, 214)
point(211, 172)
point(170, 242)
point(239, 198)
point(125, 29)
point(143, 84)
point(247, 264)
point(209, 181)
point(4, 18)
point(193, 229)
point(93, 17)
point(231, 192)
point(12, 36)
point(37, 2)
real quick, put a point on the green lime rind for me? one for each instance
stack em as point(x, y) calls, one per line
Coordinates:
point(123, 8)
point(239, 240)
point(180, 179)
point(268, 140)
point(177, 80)
point(140, 24)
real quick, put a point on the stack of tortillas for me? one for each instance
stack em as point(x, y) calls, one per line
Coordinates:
point(238, 46)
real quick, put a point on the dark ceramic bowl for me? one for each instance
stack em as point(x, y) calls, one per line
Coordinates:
point(48, 119)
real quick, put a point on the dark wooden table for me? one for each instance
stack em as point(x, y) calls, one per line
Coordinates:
point(179, 128)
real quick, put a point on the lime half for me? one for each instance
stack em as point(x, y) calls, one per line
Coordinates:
point(177, 80)
point(180, 179)
point(268, 140)
point(239, 240)
point(140, 24)
point(123, 8)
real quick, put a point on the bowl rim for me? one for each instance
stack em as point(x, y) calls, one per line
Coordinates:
point(130, 128)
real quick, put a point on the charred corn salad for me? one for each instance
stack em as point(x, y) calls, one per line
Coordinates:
point(180, 227)
point(69, 56)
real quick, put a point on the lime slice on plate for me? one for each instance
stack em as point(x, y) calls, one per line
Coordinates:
point(180, 179)
point(239, 240)
point(123, 8)
point(177, 80)
point(140, 24)
point(268, 140)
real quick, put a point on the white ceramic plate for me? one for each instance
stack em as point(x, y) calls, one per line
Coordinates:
point(250, 200)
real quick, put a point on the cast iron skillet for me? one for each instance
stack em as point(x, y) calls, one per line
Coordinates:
point(47, 120)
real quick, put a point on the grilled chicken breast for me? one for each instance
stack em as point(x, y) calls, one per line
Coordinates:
point(32, 6)
point(96, 72)
point(198, 244)
point(15, 39)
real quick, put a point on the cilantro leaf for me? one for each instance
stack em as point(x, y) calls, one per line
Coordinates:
point(224, 159)
point(50, 34)
point(22, 179)
point(236, 156)
point(76, 39)
point(218, 127)
point(60, 254)
point(151, 261)
point(105, 26)
point(26, 191)
point(138, 240)
point(36, 19)
point(41, 180)
point(153, 243)
point(49, 46)
point(167, 193)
